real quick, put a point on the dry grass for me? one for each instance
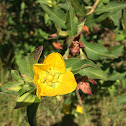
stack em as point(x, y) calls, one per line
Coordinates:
point(104, 112)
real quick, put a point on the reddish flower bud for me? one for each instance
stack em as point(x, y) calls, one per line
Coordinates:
point(85, 87)
point(83, 84)
point(76, 45)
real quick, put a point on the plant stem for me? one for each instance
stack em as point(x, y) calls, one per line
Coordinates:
point(80, 102)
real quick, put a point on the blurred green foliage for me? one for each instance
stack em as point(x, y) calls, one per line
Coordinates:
point(25, 25)
point(23, 28)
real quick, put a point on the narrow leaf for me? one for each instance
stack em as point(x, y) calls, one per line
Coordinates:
point(111, 7)
point(116, 50)
point(42, 1)
point(25, 100)
point(23, 65)
point(16, 75)
point(117, 76)
point(124, 19)
point(78, 6)
point(116, 17)
point(90, 20)
point(95, 73)
point(122, 99)
point(27, 78)
point(101, 17)
point(56, 15)
point(31, 114)
point(37, 53)
point(96, 51)
point(12, 87)
point(71, 22)
point(76, 64)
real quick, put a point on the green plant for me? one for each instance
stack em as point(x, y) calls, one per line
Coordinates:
point(82, 27)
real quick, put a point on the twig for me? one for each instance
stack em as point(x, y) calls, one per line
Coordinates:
point(80, 102)
point(93, 7)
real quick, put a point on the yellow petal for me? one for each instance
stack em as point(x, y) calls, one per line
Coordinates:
point(68, 83)
point(56, 61)
point(38, 92)
point(79, 109)
point(38, 68)
point(48, 91)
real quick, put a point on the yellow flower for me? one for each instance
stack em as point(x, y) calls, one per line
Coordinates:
point(79, 109)
point(52, 78)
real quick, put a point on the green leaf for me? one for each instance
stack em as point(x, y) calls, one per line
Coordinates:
point(26, 63)
point(26, 88)
point(25, 100)
point(117, 76)
point(105, 1)
point(90, 20)
point(71, 22)
point(122, 99)
point(119, 37)
point(96, 51)
point(22, 6)
point(42, 1)
point(37, 100)
point(78, 6)
point(124, 19)
point(25, 66)
point(116, 17)
point(12, 87)
point(21, 91)
point(111, 7)
point(101, 17)
point(116, 50)
point(76, 64)
point(112, 90)
point(56, 15)
point(1, 71)
point(64, 6)
point(16, 75)
point(31, 114)
point(94, 73)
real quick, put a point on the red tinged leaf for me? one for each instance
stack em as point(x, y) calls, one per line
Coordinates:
point(37, 53)
point(57, 45)
point(86, 29)
point(81, 44)
point(92, 81)
point(85, 87)
point(53, 35)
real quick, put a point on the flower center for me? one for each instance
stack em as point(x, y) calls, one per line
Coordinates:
point(50, 78)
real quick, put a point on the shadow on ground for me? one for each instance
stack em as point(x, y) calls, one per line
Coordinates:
point(67, 120)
